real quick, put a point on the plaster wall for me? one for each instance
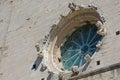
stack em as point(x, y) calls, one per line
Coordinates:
point(25, 22)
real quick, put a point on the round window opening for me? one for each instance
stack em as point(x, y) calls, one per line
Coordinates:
point(82, 42)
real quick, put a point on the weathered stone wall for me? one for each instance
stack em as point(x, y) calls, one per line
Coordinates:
point(109, 75)
point(25, 22)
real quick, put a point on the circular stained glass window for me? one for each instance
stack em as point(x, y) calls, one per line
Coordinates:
point(82, 42)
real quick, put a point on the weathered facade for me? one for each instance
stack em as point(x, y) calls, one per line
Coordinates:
point(33, 33)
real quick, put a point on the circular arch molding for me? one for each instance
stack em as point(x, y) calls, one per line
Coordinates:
point(60, 33)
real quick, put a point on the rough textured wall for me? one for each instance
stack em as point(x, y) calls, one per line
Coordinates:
point(25, 22)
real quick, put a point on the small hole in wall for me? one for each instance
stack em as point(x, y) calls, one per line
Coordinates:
point(28, 19)
point(117, 32)
point(98, 62)
point(59, 59)
point(62, 69)
point(11, 1)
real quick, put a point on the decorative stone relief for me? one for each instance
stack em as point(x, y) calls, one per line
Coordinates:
point(88, 58)
point(99, 44)
point(101, 29)
point(80, 15)
point(75, 70)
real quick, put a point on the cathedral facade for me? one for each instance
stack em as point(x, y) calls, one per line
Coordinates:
point(59, 40)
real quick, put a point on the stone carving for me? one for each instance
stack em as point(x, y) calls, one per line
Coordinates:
point(81, 6)
point(40, 55)
point(64, 75)
point(62, 16)
point(101, 29)
point(61, 75)
point(54, 77)
point(37, 47)
point(88, 58)
point(99, 24)
point(43, 66)
point(50, 72)
point(92, 7)
point(39, 52)
point(52, 27)
point(103, 19)
point(72, 6)
point(75, 70)
point(99, 44)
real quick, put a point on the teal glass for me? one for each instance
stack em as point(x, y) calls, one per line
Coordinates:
point(82, 42)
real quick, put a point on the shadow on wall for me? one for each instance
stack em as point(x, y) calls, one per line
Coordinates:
point(85, 67)
point(49, 77)
point(36, 63)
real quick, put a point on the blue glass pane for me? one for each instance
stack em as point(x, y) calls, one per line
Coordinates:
point(82, 42)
